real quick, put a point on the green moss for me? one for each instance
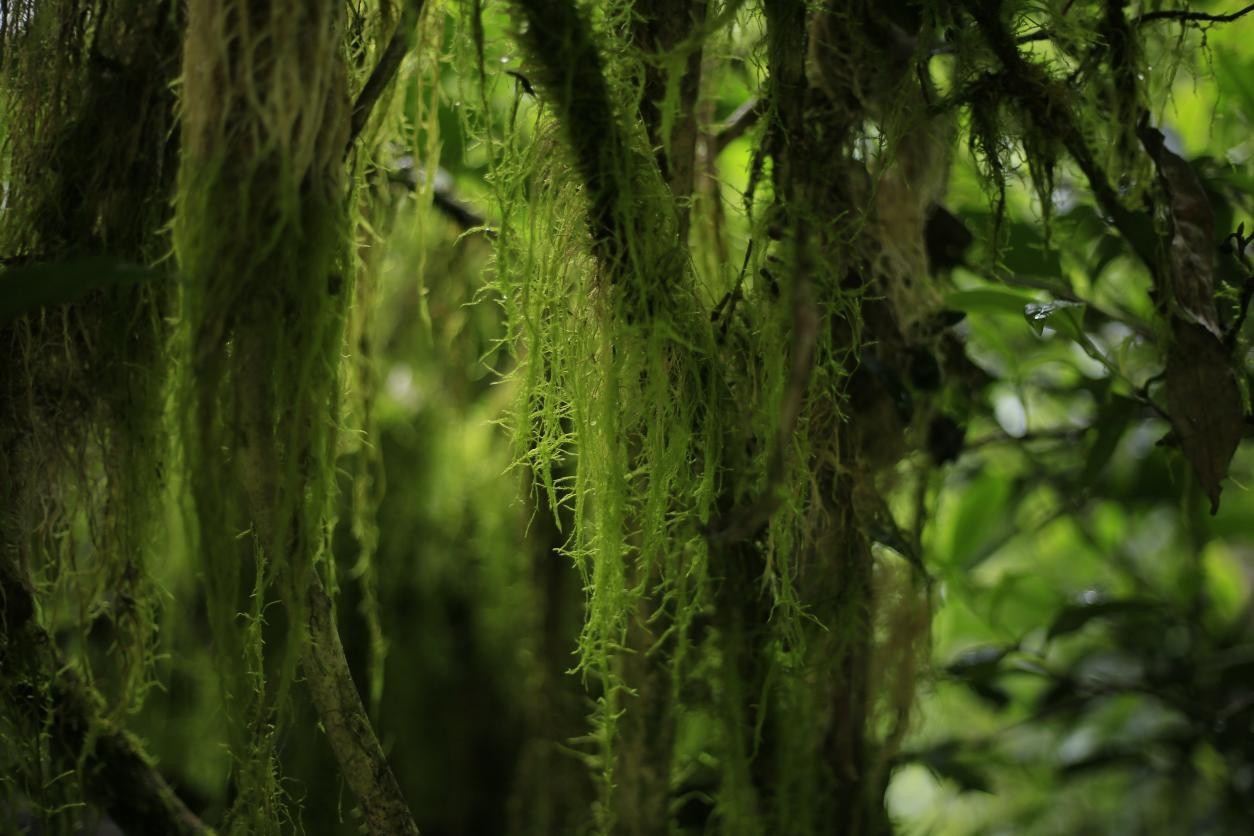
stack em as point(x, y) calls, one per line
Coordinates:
point(685, 420)
point(261, 234)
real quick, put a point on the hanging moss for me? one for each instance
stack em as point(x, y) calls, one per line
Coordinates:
point(260, 234)
point(714, 475)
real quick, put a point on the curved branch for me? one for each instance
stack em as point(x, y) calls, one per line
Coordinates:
point(362, 762)
point(738, 124)
point(444, 196)
point(628, 199)
point(1040, 104)
point(1179, 15)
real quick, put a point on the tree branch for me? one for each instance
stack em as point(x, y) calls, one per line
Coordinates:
point(1180, 15)
point(1047, 109)
point(738, 124)
point(1186, 16)
point(744, 520)
point(786, 60)
point(327, 676)
point(572, 75)
point(328, 679)
point(621, 180)
point(443, 196)
point(384, 71)
point(362, 762)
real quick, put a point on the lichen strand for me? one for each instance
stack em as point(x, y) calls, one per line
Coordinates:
point(261, 236)
point(88, 117)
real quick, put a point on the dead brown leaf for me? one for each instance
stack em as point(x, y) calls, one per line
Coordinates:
point(1191, 255)
point(1204, 401)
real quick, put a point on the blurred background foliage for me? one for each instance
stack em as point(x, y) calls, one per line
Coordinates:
point(1093, 628)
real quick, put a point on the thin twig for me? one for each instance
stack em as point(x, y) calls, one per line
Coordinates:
point(737, 125)
point(1243, 310)
point(732, 296)
point(444, 196)
point(446, 201)
point(951, 48)
point(1240, 242)
point(1056, 434)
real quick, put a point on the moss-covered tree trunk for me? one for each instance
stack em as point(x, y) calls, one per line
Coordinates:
point(92, 147)
point(262, 234)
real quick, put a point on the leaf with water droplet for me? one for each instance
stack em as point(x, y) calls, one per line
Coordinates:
point(1064, 317)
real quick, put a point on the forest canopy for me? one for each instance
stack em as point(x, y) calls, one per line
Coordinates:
point(626, 417)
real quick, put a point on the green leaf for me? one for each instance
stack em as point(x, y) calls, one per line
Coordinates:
point(1023, 250)
point(989, 300)
point(995, 695)
point(979, 662)
point(1112, 422)
point(1088, 224)
point(1106, 757)
point(980, 523)
point(1109, 247)
point(979, 668)
point(32, 286)
point(1067, 319)
point(1234, 73)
